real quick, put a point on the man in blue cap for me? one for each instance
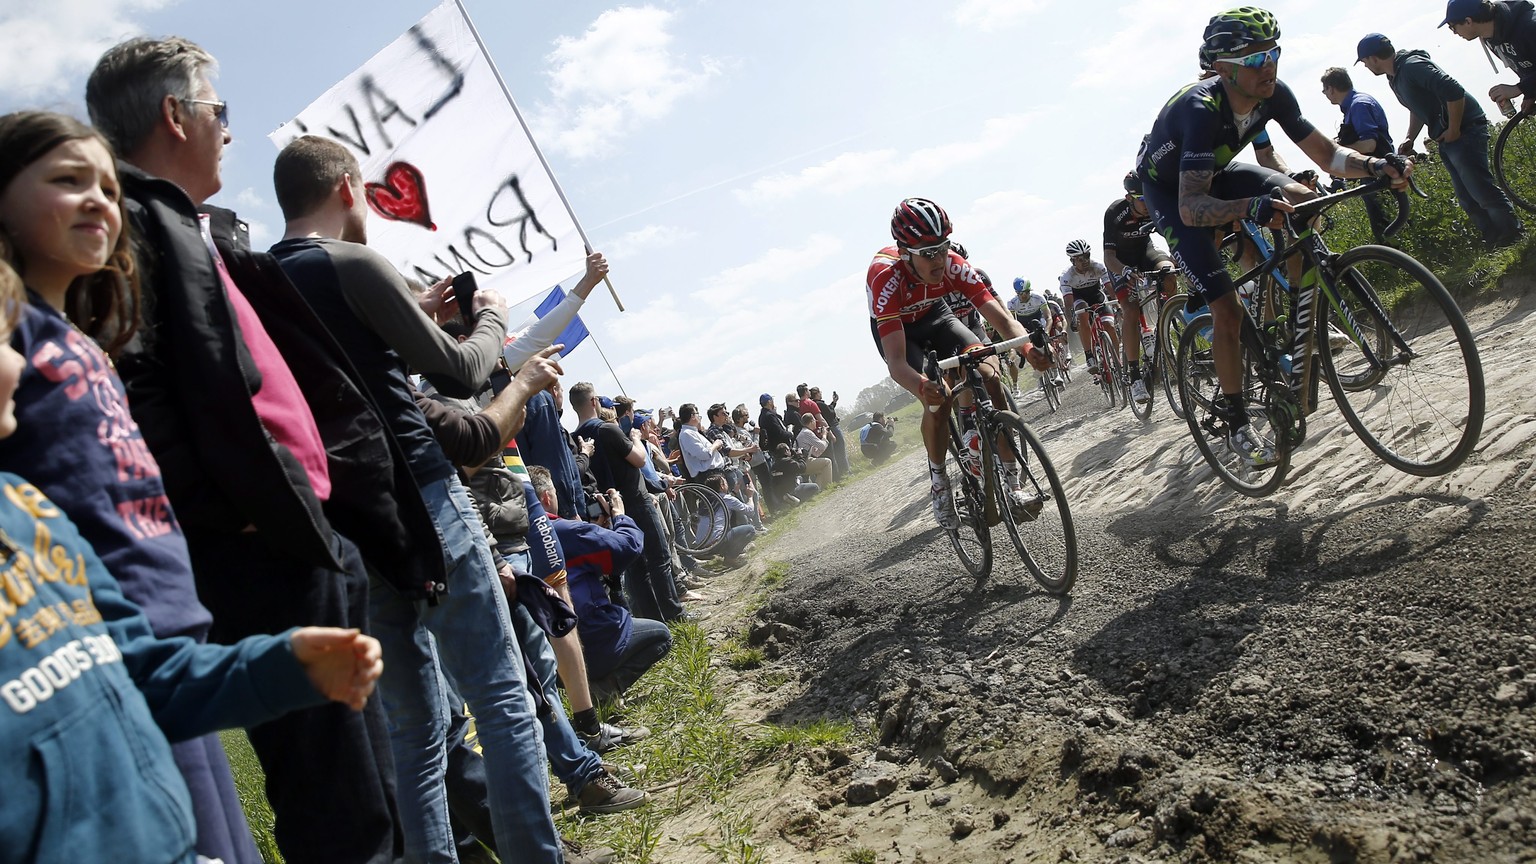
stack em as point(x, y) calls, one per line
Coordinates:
point(1508, 30)
point(1434, 99)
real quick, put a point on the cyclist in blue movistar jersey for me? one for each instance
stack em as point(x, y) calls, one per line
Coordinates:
point(1191, 184)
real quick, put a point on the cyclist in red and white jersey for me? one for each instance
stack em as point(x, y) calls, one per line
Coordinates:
point(906, 286)
point(1088, 281)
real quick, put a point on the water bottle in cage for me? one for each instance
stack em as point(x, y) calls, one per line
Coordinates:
point(1245, 293)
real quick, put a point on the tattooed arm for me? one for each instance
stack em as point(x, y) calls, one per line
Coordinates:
point(1198, 208)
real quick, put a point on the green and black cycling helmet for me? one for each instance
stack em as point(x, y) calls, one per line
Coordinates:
point(1232, 31)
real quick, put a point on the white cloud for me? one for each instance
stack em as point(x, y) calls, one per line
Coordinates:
point(249, 198)
point(617, 76)
point(994, 14)
point(646, 239)
point(50, 47)
point(774, 266)
point(855, 170)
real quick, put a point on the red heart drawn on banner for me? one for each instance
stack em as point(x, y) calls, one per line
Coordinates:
point(402, 196)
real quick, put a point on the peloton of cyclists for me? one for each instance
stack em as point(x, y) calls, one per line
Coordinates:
point(1128, 229)
point(1191, 185)
point(1084, 281)
point(906, 286)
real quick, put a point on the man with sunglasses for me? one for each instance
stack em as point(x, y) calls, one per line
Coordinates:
point(1128, 246)
point(1084, 281)
point(906, 286)
point(1191, 185)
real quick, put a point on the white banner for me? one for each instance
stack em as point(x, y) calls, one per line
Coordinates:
point(454, 181)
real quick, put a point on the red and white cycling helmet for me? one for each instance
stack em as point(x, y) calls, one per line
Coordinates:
point(919, 222)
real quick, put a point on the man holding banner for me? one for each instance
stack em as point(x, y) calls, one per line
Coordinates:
point(373, 313)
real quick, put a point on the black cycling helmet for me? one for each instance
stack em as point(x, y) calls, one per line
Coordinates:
point(1232, 31)
point(1132, 183)
point(919, 222)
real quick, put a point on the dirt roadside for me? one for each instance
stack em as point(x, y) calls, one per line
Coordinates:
point(1345, 671)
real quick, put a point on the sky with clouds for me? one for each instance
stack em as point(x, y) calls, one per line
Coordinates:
point(737, 162)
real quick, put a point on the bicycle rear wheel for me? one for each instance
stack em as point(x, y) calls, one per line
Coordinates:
point(1170, 328)
point(1042, 533)
point(1198, 389)
point(1515, 149)
point(971, 537)
point(1417, 403)
point(702, 519)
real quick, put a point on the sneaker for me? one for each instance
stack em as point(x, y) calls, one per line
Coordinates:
point(609, 736)
point(1252, 448)
point(575, 854)
point(1024, 506)
point(1338, 340)
point(606, 793)
point(944, 507)
point(690, 596)
point(1139, 391)
point(692, 583)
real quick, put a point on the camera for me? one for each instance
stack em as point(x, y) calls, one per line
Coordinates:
point(596, 510)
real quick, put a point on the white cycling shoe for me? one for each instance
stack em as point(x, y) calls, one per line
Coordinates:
point(1139, 391)
point(1254, 449)
point(943, 501)
point(1024, 506)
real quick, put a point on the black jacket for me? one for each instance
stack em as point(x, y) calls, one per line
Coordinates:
point(190, 378)
point(771, 431)
point(1514, 40)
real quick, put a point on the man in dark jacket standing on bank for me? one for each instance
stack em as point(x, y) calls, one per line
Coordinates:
point(1508, 30)
point(1457, 123)
point(240, 392)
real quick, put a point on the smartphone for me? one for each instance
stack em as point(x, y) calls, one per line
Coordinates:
point(464, 287)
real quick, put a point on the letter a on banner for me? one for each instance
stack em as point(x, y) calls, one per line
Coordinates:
point(453, 180)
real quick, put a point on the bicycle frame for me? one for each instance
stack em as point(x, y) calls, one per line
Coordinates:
point(1317, 263)
point(972, 380)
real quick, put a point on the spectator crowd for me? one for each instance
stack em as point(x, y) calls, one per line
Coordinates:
point(293, 492)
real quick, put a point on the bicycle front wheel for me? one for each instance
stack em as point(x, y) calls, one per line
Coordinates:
point(1515, 150)
point(971, 537)
point(1409, 380)
point(1104, 352)
point(1170, 328)
point(1041, 528)
point(1198, 390)
point(1049, 392)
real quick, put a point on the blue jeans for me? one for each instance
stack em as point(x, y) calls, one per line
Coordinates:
point(648, 580)
point(572, 762)
point(470, 634)
point(1466, 160)
point(649, 641)
point(735, 540)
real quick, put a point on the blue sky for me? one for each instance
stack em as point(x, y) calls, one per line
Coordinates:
point(739, 161)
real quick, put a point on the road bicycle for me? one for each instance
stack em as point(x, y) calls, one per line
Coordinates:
point(1514, 158)
point(1407, 376)
point(1114, 386)
point(1146, 291)
point(1054, 380)
point(1041, 531)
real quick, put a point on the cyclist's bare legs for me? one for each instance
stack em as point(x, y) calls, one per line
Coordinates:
point(1226, 338)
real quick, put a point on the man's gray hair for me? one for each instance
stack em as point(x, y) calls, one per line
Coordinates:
point(542, 480)
point(131, 80)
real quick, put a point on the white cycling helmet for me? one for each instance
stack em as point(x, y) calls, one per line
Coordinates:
point(1078, 247)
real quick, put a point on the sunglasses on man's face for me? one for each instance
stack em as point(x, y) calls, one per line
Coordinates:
point(931, 253)
point(1078, 259)
point(1256, 60)
point(220, 109)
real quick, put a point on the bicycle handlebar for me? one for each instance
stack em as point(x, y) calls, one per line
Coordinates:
point(977, 354)
point(1307, 211)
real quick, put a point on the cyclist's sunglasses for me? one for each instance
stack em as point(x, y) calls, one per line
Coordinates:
point(1082, 257)
point(930, 253)
point(1256, 60)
